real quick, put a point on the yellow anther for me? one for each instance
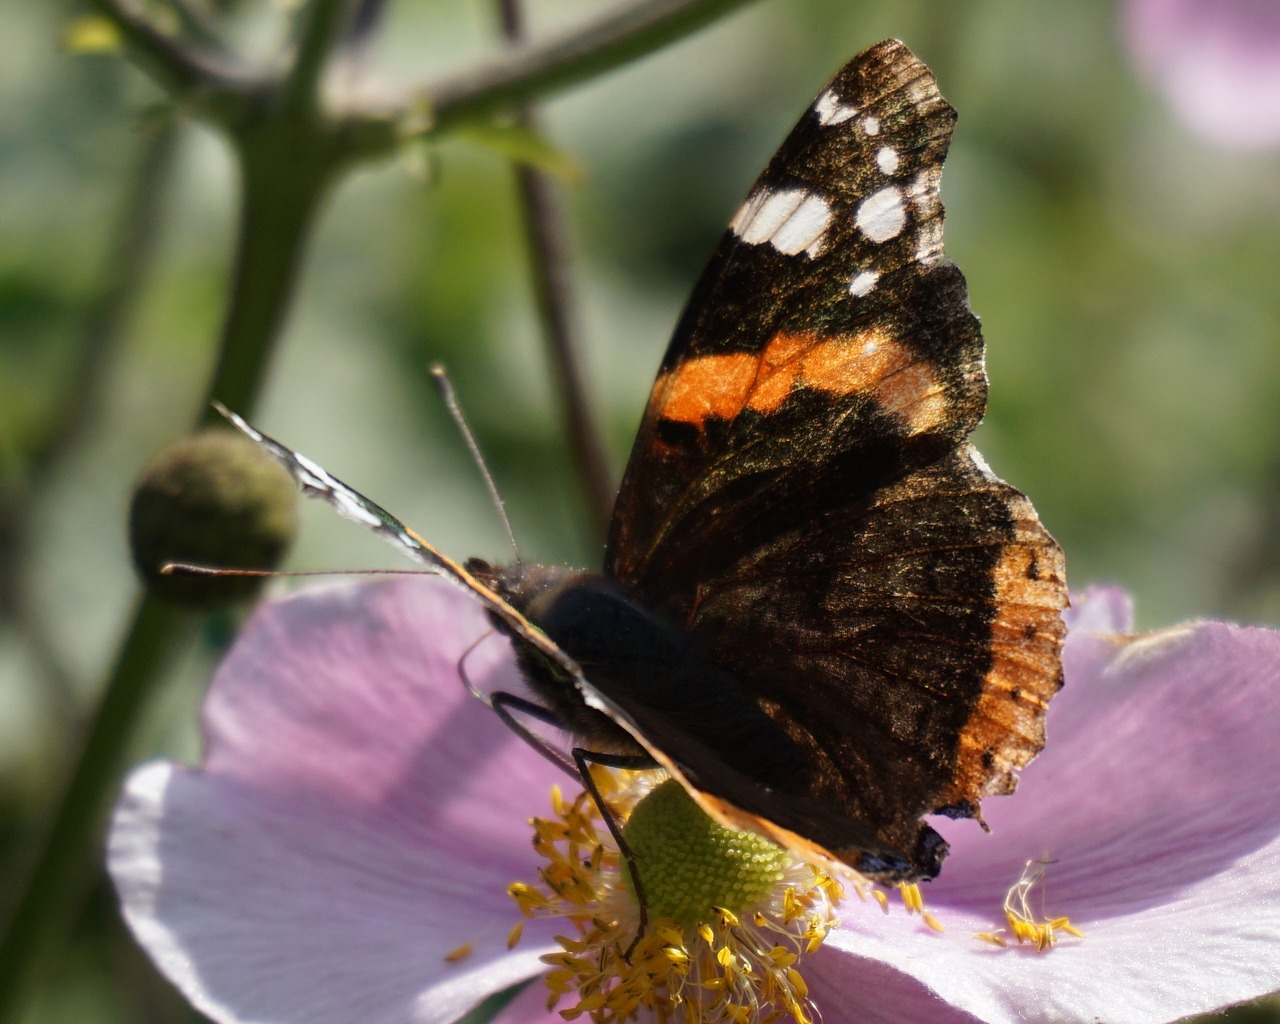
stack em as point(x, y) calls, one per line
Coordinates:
point(993, 938)
point(797, 982)
point(932, 921)
point(559, 981)
point(911, 897)
point(513, 936)
point(671, 936)
point(881, 898)
point(782, 957)
point(728, 919)
point(461, 953)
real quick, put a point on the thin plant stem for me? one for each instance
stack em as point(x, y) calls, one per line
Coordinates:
point(131, 248)
point(285, 163)
point(278, 206)
point(323, 22)
point(538, 69)
point(542, 211)
point(186, 69)
point(226, 91)
point(59, 878)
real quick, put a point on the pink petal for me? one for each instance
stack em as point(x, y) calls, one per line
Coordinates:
point(356, 819)
point(1100, 610)
point(1156, 800)
point(1217, 62)
point(845, 990)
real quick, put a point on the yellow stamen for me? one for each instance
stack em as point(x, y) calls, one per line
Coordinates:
point(459, 954)
point(738, 965)
point(1025, 924)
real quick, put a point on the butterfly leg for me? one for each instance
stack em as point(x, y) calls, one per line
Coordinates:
point(583, 759)
point(508, 705)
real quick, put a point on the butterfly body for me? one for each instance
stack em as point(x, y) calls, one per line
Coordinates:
point(660, 670)
point(819, 610)
point(624, 647)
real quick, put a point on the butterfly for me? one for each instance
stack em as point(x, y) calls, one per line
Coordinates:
point(820, 610)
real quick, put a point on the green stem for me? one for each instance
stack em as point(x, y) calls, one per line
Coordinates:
point(286, 163)
point(549, 264)
point(61, 873)
point(187, 70)
point(616, 38)
point(323, 21)
point(282, 186)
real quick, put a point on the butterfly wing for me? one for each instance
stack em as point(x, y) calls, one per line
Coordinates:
point(801, 496)
point(317, 482)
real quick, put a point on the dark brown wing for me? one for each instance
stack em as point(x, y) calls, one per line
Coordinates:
point(826, 331)
point(801, 497)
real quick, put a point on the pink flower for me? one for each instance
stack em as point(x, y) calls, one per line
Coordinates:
point(1217, 63)
point(358, 817)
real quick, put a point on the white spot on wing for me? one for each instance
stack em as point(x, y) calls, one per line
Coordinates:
point(863, 283)
point(803, 231)
point(881, 215)
point(871, 126)
point(922, 193)
point(792, 220)
point(766, 213)
point(317, 480)
point(747, 212)
point(887, 160)
point(929, 243)
point(831, 111)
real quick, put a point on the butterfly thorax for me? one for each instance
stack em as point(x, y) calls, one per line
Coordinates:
point(639, 660)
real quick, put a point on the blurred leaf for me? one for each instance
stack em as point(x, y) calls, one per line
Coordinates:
point(525, 146)
point(91, 33)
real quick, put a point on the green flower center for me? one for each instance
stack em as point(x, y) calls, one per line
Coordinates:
point(690, 864)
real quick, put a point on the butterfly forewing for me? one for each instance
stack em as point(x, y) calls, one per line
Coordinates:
point(825, 327)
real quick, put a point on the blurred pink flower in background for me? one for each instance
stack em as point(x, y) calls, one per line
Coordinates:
point(1217, 62)
point(358, 818)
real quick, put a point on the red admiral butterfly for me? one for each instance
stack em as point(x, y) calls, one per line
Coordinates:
point(820, 610)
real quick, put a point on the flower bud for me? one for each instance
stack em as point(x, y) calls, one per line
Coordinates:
point(213, 499)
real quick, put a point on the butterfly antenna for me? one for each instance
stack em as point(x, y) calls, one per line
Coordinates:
point(191, 569)
point(450, 399)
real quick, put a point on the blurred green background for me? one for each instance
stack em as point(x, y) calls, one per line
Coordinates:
point(1125, 271)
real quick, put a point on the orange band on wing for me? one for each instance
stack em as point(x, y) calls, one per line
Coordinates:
point(870, 363)
point(1006, 728)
